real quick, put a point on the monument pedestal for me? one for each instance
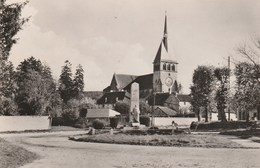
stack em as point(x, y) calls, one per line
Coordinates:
point(135, 124)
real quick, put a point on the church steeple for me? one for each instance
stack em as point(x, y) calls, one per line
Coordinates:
point(163, 51)
point(165, 68)
point(165, 34)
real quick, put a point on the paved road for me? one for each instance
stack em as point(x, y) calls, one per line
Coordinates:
point(57, 151)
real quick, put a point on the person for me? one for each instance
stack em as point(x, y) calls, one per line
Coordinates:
point(174, 127)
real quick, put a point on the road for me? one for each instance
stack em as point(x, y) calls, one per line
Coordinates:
point(57, 151)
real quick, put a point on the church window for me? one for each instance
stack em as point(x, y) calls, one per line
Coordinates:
point(105, 99)
point(173, 67)
point(164, 66)
point(169, 67)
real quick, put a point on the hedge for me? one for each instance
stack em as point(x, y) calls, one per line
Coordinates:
point(99, 124)
point(215, 125)
point(145, 120)
point(114, 122)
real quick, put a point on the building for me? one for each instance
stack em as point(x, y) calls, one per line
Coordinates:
point(104, 114)
point(158, 88)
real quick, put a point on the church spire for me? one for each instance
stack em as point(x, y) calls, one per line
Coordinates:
point(165, 33)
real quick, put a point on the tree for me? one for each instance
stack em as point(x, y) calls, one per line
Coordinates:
point(122, 107)
point(201, 89)
point(222, 77)
point(7, 84)
point(66, 83)
point(145, 109)
point(247, 87)
point(35, 87)
point(7, 107)
point(78, 82)
point(10, 23)
point(247, 74)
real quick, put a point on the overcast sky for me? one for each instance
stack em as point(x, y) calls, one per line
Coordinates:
point(122, 36)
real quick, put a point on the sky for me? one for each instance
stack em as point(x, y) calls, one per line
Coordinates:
point(123, 36)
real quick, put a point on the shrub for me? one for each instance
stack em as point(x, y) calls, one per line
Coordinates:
point(98, 124)
point(81, 123)
point(221, 125)
point(57, 121)
point(145, 120)
point(114, 122)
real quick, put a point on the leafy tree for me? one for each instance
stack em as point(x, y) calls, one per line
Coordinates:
point(7, 107)
point(66, 83)
point(144, 108)
point(10, 23)
point(7, 84)
point(247, 72)
point(122, 107)
point(35, 87)
point(247, 87)
point(78, 82)
point(201, 89)
point(222, 77)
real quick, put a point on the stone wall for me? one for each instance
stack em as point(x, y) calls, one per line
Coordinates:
point(163, 121)
point(22, 123)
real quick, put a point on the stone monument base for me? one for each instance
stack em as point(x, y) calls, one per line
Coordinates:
point(135, 124)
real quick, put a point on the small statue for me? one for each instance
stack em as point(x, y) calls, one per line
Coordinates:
point(135, 114)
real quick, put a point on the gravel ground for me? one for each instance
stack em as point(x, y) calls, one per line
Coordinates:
point(57, 151)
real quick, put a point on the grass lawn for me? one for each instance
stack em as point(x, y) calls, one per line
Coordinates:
point(12, 156)
point(180, 140)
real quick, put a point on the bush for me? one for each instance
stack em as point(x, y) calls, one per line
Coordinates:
point(114, 122)
point(145, 120)
point(214, 125)
point(7, 107)
point(81, 123)
point(98, 124)
point(57, 121)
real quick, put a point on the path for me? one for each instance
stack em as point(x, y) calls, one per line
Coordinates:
point(57, 151)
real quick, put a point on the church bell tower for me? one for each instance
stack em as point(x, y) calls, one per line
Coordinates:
point(164, 67)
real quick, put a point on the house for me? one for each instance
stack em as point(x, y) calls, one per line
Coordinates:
point(160, 111)
point(103, 114)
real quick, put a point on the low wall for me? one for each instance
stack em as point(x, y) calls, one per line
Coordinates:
point(161, 121)
point(214, 116)
point(22, 123)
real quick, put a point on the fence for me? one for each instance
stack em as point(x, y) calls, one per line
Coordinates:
point(22, 123)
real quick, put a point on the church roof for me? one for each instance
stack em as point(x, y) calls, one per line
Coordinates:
point(123, 80)
point(144, 81)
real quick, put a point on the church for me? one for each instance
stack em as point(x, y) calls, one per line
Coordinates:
point(159, 88)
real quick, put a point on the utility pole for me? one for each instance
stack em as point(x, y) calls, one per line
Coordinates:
point(229, 88)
